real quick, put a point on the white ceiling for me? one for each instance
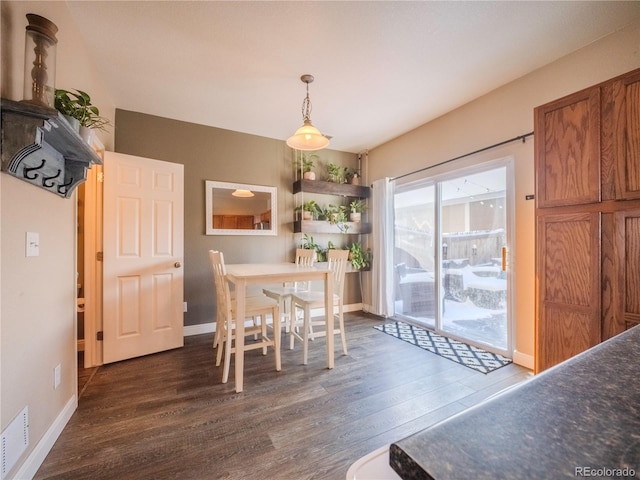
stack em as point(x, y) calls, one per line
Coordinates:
point(381, 68)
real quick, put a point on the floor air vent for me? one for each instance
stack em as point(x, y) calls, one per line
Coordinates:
point(15, 440)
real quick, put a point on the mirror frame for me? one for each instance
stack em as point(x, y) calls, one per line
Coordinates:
point(211, 184)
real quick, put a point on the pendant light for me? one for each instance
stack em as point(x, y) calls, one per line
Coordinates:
point(242, 193)
point(307, 137)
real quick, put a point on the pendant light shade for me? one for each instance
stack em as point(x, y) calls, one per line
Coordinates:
point(307, 137)
point(240, 192)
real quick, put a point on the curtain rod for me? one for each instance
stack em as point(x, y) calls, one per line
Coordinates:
point(519, 137)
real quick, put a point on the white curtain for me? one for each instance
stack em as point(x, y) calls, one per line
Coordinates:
point(380, 278)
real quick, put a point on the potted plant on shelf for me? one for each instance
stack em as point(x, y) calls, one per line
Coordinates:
point(336, 173)
point(305, 164)
point(310, 210)
point(337, 215)
point(77, 106)
point(357, 207)
point(359, 258)
point(353, 176)
point(309, 244)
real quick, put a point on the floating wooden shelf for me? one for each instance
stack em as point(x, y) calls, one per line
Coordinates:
point(40, 147)
point(321, 226)
point(329, 188)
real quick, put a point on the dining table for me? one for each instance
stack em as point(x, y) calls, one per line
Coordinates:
point(243, 274)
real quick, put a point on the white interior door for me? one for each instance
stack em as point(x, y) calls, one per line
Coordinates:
point(143, 256)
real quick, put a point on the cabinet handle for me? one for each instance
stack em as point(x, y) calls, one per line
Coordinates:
point(177, 265)
point(504, 258)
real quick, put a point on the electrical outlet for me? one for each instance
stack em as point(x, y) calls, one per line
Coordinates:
point(184, 307)
point(57, 372)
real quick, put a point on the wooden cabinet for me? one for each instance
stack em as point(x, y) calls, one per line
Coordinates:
point(626, 135)
point(587, 153)
point(568, 156)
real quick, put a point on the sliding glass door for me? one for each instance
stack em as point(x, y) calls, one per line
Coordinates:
point(451, 237)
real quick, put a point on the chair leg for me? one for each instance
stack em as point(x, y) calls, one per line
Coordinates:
point(220, 334)
point(227, 353)
point(342, 334)
point(292, 325)
point(277, 335)
point(305, 335)
point(263, 330)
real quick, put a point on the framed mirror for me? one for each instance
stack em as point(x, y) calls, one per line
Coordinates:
point(240, 209)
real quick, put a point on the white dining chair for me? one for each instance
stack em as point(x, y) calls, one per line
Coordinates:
point(255, 306)
point(282, 294)
point(306, 301)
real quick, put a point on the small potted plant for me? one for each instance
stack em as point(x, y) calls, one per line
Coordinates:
point(310, 210)
point(337, 213)
point(353, 176)
point(336, 173)
point(306, 164)
point(77, 105)
point(358, 257)
point(310, 244)
point(357, 207)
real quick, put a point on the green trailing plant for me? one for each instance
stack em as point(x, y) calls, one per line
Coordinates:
point(338, 215)
point(312, 207)
point(359, 258)
point(336, 173)
point(310, 244)
point(78, 105)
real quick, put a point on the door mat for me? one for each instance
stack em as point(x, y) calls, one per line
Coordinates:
point(467, 355)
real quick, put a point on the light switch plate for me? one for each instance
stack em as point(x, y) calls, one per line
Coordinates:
point(32, 244)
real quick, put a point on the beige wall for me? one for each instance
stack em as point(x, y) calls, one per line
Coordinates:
point(502, 114)
point(215, 154)
point(37, 300)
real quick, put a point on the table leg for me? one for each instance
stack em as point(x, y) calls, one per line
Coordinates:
point(328, 310)
point(240, 309)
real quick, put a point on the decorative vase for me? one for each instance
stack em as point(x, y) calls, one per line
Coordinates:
point(355, 217)
point(307, 215)
point(309, 175)
point(355, 180)
point(40, 61)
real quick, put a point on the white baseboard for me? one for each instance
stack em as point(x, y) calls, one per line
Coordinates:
point(210, 327)
point(523, 359)
point(33, 462)
point(199, 329)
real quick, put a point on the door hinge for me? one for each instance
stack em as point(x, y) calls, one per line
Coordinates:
point(99, 336)
point(99, 256)
point(101, 177)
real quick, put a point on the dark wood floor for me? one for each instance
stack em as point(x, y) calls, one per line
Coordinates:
point(167, 416)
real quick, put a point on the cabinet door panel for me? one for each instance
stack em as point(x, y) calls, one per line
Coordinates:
point(568, 265)
point(627, 246)
point(568, 150)
point(627, 135)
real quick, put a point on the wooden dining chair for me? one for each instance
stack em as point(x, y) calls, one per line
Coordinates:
point(304, 256)
point(255, 306)
point(306, 301)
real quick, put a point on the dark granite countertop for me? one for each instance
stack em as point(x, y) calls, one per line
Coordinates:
point(582, 413)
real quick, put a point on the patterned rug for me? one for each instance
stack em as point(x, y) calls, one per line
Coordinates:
point(467, 355)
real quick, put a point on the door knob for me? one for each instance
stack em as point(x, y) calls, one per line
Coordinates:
point(177, 265)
